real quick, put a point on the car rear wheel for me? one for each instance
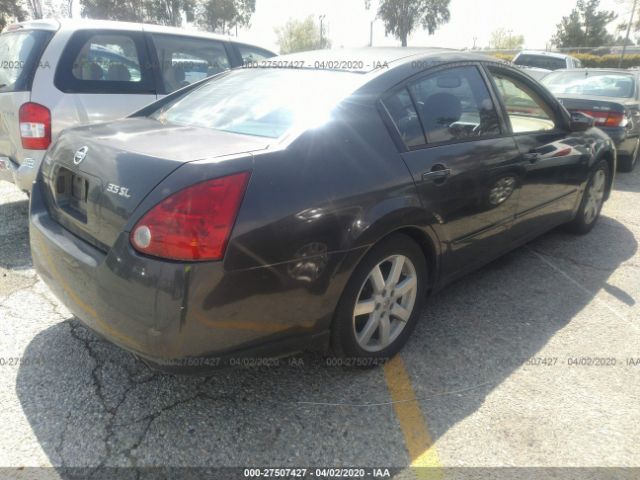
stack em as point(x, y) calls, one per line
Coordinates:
point(628, 163)
point(382, 301)
point(592, 200)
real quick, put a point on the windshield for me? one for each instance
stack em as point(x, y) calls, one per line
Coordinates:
point(19, 53)
point(261, 102)
point(541, 61)
point(601, 84)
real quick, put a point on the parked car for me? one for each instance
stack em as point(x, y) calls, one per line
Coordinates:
point(272, 210)
point(611, 97)
point(537, 73)
point(542, 62)
point(57, 74)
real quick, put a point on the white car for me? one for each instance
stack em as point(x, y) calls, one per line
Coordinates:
point(57, 74)
point(539, 63)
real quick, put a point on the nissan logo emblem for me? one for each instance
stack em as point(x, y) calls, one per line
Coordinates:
point(80, 154)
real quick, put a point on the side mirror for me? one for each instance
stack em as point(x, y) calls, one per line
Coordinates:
point(581, 122)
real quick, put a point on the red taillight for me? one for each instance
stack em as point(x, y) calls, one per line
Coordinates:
point(35, 126)
point(606, 119)
point(194, 223)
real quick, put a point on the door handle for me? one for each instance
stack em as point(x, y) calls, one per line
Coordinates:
point(533, 157)
point(436, 176)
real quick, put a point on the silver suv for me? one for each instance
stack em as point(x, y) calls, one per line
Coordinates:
point(56, 74)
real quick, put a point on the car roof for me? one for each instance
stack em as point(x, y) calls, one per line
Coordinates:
point(545, 53)
point(369, 59)
point(90, 24)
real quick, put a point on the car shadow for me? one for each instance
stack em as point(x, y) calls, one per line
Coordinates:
point(92, 405)
point(14, 240)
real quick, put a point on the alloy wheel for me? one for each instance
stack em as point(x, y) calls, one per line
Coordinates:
point(384, 303)
point(595, 196)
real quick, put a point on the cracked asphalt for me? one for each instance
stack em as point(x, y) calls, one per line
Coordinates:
point(531, 361)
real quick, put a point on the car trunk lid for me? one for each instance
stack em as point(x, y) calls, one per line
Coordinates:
point(95, 176)
point(606, 112)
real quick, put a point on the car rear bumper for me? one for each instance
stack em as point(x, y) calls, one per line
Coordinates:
point(625, 142)
point(23, 174)
point(183, 317)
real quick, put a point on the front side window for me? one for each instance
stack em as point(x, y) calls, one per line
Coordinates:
point(108, 58)
point(526, 110)
point(185, 60)
point(600, 84)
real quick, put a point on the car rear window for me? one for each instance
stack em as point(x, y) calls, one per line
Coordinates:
point(541, 61)
point(20, 53)
point(261, 102)
point(600, 84)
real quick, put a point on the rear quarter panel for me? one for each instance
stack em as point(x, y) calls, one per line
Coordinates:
point(10, 143)
point(336, 188)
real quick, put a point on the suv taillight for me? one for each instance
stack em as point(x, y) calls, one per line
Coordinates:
point(194, 223)
point(35, 126)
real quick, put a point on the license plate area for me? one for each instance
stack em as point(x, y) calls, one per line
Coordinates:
point(72, 192)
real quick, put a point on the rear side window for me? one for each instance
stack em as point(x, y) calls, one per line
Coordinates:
point(108, 58)
point(19, 58)
point(105, 62)
point(404, 116)
point(455, 105)
point(447, 106)
point(185, 60)
point(251, 54)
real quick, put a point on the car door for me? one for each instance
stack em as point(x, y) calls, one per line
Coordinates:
point(463, 162)
point(183, 60)
point(553, 161)
point(104, 75)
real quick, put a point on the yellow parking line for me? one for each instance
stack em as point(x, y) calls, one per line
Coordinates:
point(414, 427)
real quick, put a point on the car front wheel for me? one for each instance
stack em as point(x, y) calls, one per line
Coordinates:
point(381, 303)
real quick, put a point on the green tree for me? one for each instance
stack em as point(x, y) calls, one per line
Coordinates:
point(10, 9)
point(401, 17)
point(502, 39)
point(586, 26)
point(122, 10)
point(621, 29)
point(163, 12)
point(169, 12)
point(224, 15)
point(300, 36)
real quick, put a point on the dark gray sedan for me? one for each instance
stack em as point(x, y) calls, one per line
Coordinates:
point(309, 202)
point(611, 97)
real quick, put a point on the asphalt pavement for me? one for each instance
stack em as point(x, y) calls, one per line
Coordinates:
point(532, 361)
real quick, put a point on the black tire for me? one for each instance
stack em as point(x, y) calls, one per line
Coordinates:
point(582, 224)
point(343, 335)
point(628, 162)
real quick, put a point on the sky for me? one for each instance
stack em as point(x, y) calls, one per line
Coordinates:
point(347, 22)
